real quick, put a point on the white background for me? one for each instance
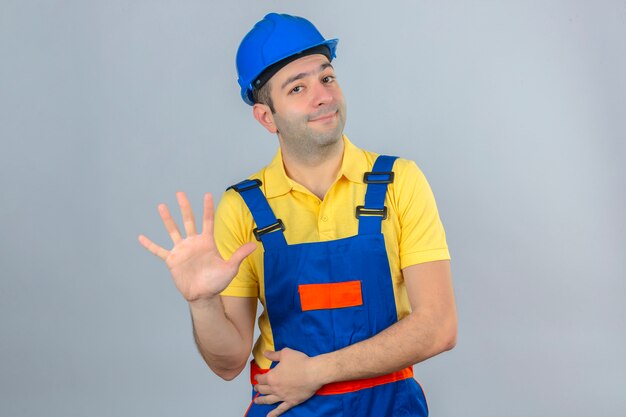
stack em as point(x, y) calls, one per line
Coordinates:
point(515, 111)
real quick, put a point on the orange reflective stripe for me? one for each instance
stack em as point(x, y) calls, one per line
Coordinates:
point(359, 384)
point(344, 387)
point(333, 295)
point(251, 402)
point(254, 371)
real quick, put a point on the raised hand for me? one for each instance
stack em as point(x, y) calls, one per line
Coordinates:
point(198, 270)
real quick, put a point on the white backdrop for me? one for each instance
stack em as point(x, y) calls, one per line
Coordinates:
point(516, 112)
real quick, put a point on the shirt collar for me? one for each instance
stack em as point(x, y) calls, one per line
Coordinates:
point(353, 165)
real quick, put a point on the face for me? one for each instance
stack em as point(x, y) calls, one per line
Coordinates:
point(310, 111)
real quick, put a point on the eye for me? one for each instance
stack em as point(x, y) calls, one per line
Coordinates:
point(328, 79)
point(296, 89)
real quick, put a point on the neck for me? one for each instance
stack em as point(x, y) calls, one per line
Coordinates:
point(317, 172)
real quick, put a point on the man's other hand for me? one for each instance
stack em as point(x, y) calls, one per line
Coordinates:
point(293, 381)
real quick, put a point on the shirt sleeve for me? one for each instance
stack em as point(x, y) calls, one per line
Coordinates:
point(233, 228)
point(422, 237)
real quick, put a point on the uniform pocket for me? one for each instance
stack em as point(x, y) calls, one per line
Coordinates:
point(330, 295)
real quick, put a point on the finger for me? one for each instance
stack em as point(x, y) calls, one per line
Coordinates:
point(266, 399)
point(169, 223)
point(283, 407)
point(185, 208)
point(208, 214)
point(153, 247)
point(240, 254)
point(263, 389)
point(261, 379)
point(273, 356)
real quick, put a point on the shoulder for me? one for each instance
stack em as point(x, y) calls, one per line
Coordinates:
point(232, 212)
point(407, 173)
point(409, 188)
point(408, 177)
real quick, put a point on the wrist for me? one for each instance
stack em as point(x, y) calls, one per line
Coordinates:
point(323, 369)
point(203, 304)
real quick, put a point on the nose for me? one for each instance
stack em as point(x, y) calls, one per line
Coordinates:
point(322, 94)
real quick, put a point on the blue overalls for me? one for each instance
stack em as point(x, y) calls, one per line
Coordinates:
point(324, 296)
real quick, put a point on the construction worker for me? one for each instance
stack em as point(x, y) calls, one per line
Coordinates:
point(344, 249)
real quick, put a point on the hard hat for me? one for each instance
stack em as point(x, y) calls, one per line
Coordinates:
point(271, 40)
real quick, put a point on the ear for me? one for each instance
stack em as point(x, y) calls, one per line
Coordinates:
point(263, 114)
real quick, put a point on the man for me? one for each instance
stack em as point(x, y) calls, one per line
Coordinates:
point(344, 249)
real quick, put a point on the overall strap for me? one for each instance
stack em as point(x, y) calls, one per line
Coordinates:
point(373, 212)
point(269, 229)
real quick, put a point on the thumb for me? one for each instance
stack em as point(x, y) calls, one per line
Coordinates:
point(271, 355)
point(241, 253)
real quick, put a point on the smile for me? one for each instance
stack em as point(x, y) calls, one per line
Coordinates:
point(325, 117)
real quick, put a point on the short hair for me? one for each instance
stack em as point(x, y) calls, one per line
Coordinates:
point(262, 95)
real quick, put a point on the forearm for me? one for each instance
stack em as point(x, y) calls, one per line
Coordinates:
point(428, 330)
point(223, 347)
point(417, 337)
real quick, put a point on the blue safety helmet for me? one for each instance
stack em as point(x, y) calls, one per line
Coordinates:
point(271, 40)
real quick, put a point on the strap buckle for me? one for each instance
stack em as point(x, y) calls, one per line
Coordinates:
point(387, 177)
point(245, 185)
point(364, 211)
point(279, 225)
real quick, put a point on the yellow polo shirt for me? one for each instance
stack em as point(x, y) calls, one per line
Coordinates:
point(413, 231)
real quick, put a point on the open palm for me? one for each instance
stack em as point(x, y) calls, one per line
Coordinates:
point(197, 268)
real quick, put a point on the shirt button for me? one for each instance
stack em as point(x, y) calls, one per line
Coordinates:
point(324, 218)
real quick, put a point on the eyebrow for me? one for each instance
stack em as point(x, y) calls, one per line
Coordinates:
point(304, 74)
